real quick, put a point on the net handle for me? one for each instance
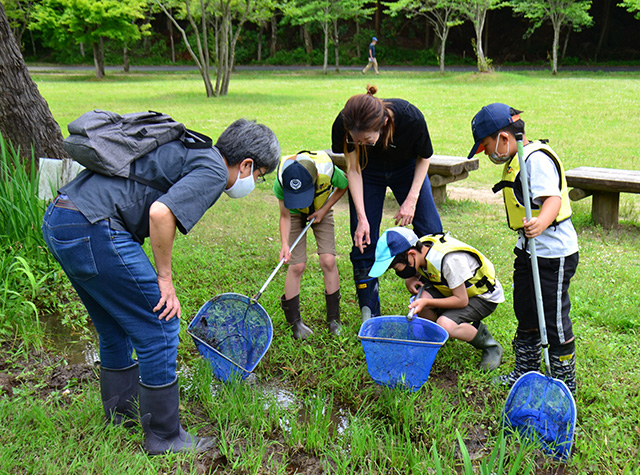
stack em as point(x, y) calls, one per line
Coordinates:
point(412, 313)
point(255, 298)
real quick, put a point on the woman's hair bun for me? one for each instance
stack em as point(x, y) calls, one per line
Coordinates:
point(371, 90)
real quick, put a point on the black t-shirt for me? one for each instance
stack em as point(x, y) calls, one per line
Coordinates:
point(195, 177)
point(410, 139)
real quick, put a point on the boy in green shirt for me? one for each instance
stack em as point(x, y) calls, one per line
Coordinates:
point(308, 186)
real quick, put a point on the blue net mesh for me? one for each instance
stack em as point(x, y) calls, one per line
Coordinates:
point(542, 408)
point(400, 352)
point(232, 333)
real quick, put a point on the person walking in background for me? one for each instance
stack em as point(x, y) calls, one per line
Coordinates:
point(95, 229)
point(308, 186)
point(372, 57)
point(386, 143)
point(494, 130)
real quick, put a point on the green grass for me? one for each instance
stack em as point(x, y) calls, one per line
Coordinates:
point(313, 406)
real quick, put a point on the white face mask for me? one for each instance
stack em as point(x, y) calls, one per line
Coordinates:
point(498, 158)
point(242, 187)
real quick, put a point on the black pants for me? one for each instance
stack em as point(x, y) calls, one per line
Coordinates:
point(555, 276)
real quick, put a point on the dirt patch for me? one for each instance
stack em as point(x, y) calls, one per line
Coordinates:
point(481, 195)
point(41, 371)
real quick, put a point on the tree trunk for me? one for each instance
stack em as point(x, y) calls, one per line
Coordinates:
point(483, 67)
point(427, 33)
point(325, 64)
point(556, 43)
point(443, 42)
point(308, 44)
point(25, 118)
point(378, 14)
point(260, 33)
point(98, 58)
point(604, 33)
point(125, 59)
point(274, 36)
point(485, 29)
point(357, 38)
point(336, 44)
point(171, 41)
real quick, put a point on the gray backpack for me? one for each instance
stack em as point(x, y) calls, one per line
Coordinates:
point(107, 143)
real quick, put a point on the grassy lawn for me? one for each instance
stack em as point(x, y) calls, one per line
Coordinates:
point(312, 407)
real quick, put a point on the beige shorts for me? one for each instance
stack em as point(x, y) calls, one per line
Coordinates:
point(323, 231)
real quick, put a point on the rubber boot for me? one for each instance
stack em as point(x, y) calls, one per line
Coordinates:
point(291, 310)
point(367, 291)
point(119, 391)
point(563, 364)
point(333, 311)
point(526, 347)
point(491, 350)
point(161, 422)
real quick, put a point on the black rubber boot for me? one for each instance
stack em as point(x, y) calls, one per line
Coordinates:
point(333, 312)
point(119, 391)
point(527, 347)
point(491, 350)
point(367, 291)
point(563, 364)
point(161, 422)
point(291, 310)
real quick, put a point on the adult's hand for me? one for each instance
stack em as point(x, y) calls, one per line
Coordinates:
point(405, 214)
point(162, 231)
point(168, 299)
point(362, 236)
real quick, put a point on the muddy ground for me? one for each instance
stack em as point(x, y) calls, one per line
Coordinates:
point(48, 372)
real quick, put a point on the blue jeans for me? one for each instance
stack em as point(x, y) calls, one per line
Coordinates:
point(119, 287)
point(374, 184)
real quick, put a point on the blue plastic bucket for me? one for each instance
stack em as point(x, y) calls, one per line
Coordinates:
point(400, 352)
point(232, 333)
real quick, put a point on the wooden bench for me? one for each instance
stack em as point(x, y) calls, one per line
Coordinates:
point(443, 169)
point(605, 185)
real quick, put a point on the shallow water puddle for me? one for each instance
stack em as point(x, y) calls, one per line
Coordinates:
point(75, 347)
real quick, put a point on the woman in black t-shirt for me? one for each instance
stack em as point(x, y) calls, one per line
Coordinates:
point(386, 143)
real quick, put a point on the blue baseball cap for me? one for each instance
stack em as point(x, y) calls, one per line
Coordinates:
point(489, 120)
point(298, 183)
point(374, 39)
point(393, 241)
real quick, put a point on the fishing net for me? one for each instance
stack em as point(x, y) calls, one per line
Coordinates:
point(400, 352)
point(542, 408)
point(232, 333)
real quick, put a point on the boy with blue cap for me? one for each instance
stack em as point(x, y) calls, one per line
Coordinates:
point(494, 132)
point(308, 186)
point(461, 285)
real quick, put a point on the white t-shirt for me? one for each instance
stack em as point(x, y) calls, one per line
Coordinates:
point(460, 266)
point(557, 240)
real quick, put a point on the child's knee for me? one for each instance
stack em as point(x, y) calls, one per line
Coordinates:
point(297, 269)
point(327, 262)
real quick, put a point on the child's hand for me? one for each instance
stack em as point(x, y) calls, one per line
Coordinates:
point(285, 253)
point(419, 304)
point(318, 215)
point(533, 228)
point(413, 285)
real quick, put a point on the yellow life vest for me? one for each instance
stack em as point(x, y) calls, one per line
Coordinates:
point(324, 166)
point(511, 187)
point(442, 244)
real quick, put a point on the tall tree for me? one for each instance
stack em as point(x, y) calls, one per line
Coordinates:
point(561, 13)
point(89, 22)
point(476, 12)
point(442, 15)
point(181, 10)
point(25, 118)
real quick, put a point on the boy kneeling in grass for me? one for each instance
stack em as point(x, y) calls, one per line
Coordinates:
point(308, 186)
point(461, 288)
